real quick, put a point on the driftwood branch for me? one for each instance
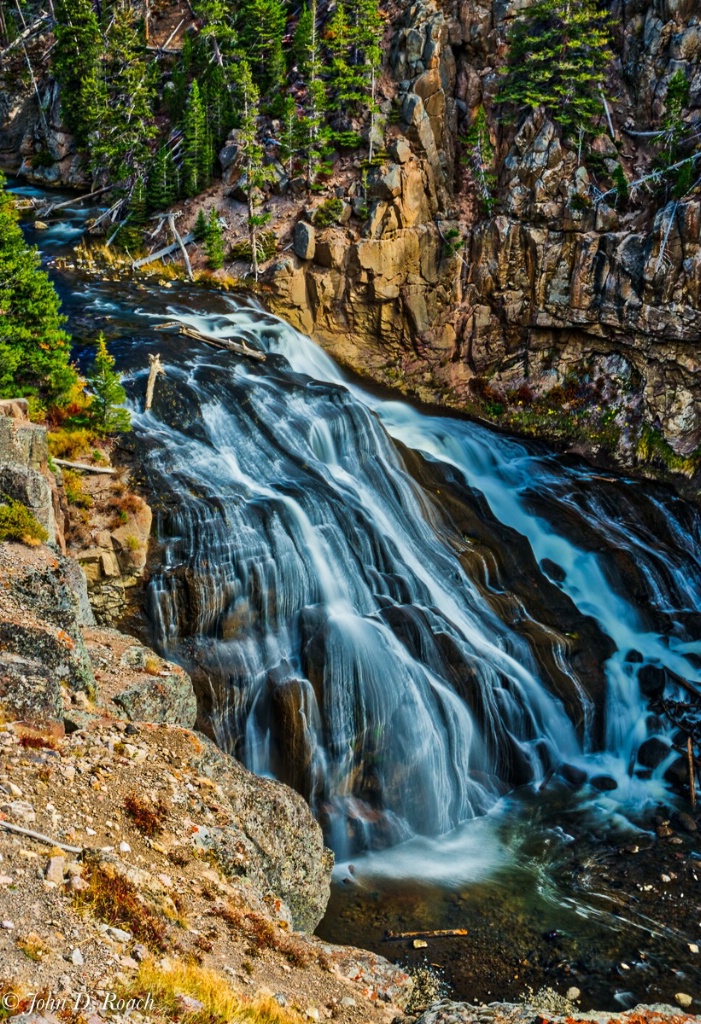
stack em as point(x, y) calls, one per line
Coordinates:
point(26, 34)
point(39, 836)
point(50, 208)
point(239, 349)
point(86, 469)
point(155, 369)
point(166, 251)
point(692, 770)
point(181, 244)
point(440, 933)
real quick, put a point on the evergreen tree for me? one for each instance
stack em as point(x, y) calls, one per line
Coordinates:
point(200, 228)
point(314, 130)
point(558, 55)
point(353, 40)
point(123, 122)
point(480, 157)
point(214, 241)
point(75, 61)
point(256, 172)
point(163, 184)
point(194, 144)
point(34, 350)
point(131, 237)
point(291, 134)
point(107, 394)
point(261, 25)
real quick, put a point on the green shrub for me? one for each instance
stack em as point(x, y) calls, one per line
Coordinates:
point(18, 523)
point(328, 212)
point(75, 492)
point(267, 247)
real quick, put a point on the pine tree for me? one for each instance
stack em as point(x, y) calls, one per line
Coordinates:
point(194, 144)
point(558, 56)
point(200, 229)
point(314, 129)
point(480, 157)
point(131, 237)
point(75, 61)
point(291, 134)
point(124, 126)
point(214, 241)
point(34, 349)
point(353, 40)
point(261, 25)
point(256, 172)
point(163, 185)
point(107, 394)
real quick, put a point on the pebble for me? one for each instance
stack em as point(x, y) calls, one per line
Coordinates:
point(124, 847)
point(693, 948)
point(55, 869)
point(6, 879)
point(13, 790)
point(280, 998)
point(76, 958)
point(347, 1001)
point(312, 1013)
point(90, 832)
point(117, 934)
point(8, 926)
point(573, 993)
point(683, 1000)
point(140, 952)
point(188, 1004)
point(665, 878)
point(420, 944)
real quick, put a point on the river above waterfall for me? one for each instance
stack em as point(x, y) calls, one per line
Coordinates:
point(455, 644)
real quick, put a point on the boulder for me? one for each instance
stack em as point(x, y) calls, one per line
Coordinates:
point(304, 240)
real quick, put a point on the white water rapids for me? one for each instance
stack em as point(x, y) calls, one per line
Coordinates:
point(343, 646)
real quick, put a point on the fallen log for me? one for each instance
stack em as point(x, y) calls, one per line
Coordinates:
point(39, 836)
point(165, 251)
point(181, 244)
point(239, 349)
point(438, 933)
point(86, 469)
point(49, 208)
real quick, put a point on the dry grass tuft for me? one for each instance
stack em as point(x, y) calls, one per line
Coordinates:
point(112, 898)
point(221, 1003)
point(34, 739)
point(147, 817)
point(265, 934)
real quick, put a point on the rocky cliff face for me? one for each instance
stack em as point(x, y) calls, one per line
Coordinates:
point(557, 314)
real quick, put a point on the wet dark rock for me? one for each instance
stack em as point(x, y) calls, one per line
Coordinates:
point(680, 819)
point(574, 776)
point(604, 783)
point(652, 681)
point(678, 773)
point(553, 570)
point(653, 752)
point(634, 657)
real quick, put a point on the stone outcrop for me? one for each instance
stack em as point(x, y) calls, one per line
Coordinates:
point(24, 468)
point(115, 564)
point(471, 308)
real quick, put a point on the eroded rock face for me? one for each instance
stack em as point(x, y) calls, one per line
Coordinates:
point(24, 468)
point(464, 307)
point(278, 845)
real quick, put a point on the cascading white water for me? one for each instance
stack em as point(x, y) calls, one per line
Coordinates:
point(342, 643)
point(322, 602)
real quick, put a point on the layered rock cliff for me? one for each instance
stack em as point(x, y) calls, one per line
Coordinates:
point(557, 313)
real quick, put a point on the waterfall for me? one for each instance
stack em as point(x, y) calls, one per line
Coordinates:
point(337, 641)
